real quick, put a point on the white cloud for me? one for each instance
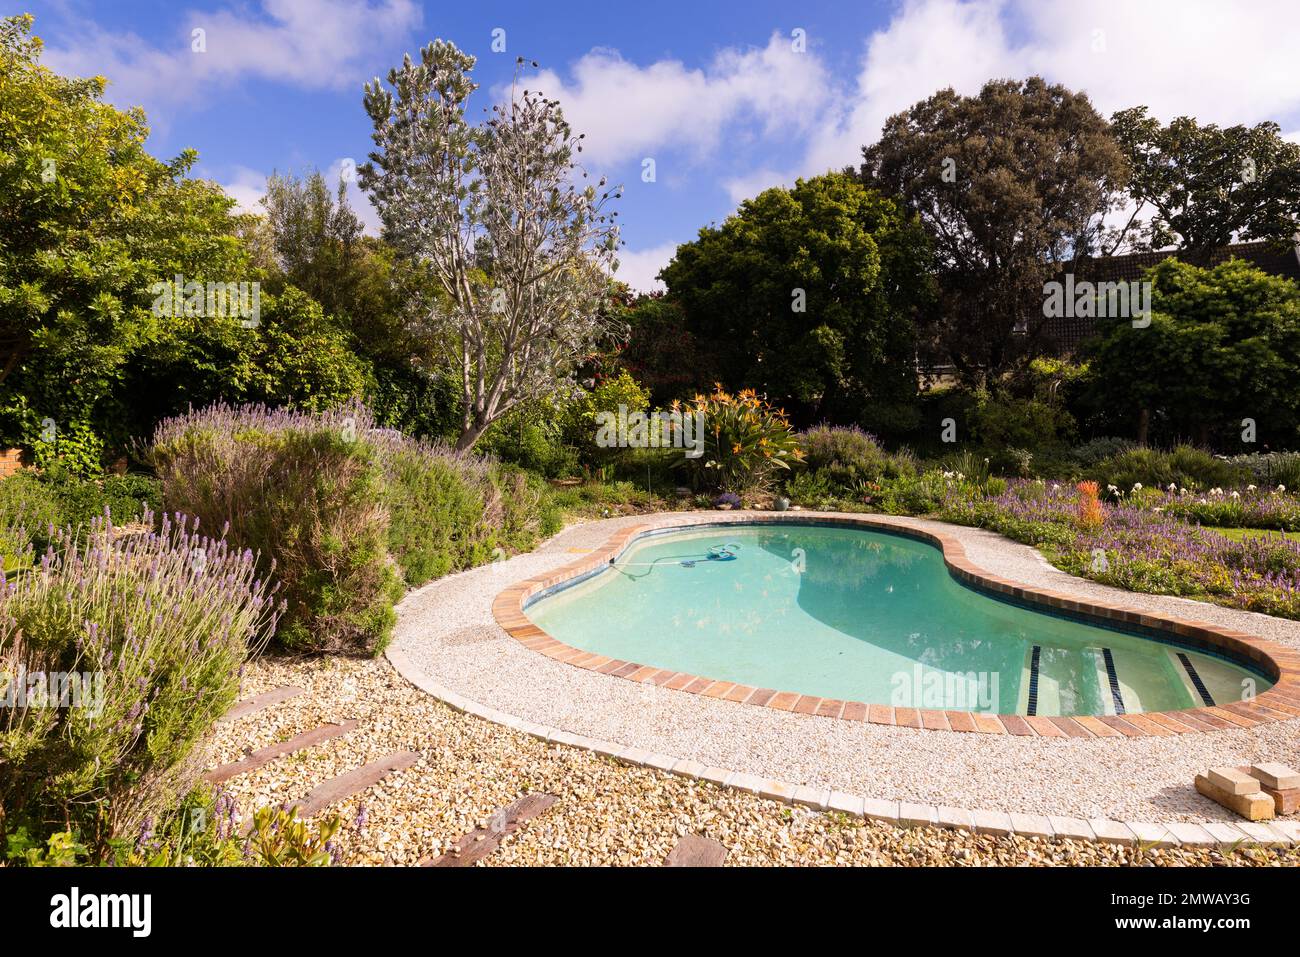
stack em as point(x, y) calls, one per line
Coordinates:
point(629, 112)
point(248, 186)
point(308, 43)
point(1217, 62)
point(638, 268)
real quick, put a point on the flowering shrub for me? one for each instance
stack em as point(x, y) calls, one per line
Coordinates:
point(1250, 507)
point(117, 652)
point(1090, 513)
point(340, 511)
point(305, 492)
point(746, 441)
point(1145, 549)
point(847, 456)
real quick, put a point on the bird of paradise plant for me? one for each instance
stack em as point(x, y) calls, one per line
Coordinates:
point(747, 441)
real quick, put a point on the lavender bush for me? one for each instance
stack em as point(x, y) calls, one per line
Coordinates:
point(1139, 547)
point(118, 652)
point(340, 510)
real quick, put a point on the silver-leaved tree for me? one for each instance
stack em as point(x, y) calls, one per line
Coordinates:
point(520, 250)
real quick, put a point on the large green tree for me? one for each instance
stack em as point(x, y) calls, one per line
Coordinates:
point(809, 295)
point(1010, 184)
point(91, 223)
point(1223, 346)
point(1200, 187)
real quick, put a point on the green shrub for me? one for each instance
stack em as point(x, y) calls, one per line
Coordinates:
point(32, 504)
point(152, 628)
point(342, 513)
point(1270, 469)
point(306, 493)
point(747, 442)
point(847, 456)
point(1001, 422)
point(1185, 467)
point(74, 450)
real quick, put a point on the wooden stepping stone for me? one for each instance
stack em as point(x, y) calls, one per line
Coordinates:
point(481, 842)
point(695, 850)
point(346, 785)
point(256, 759)
point(258, 703)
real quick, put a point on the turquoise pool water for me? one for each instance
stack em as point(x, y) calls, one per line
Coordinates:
point(866, 616)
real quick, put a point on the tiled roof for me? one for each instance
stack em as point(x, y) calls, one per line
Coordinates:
point(1066, 334)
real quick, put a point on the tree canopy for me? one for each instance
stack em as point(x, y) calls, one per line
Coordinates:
point(808, 295)
point(1009, 184)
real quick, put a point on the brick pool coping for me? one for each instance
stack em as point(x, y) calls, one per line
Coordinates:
point(1280, 663)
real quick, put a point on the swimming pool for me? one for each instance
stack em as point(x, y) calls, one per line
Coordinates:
point(846, 613)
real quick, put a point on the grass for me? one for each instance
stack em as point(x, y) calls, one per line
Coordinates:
point(1240, 534)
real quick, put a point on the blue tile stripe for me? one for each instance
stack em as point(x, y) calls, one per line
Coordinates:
point(1114, 682)
point(1032, 709)
point(1203, 691)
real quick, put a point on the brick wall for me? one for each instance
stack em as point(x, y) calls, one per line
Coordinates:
point(10, 461)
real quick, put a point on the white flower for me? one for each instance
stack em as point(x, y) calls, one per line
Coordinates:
point(1236, 495)
point(960, 477)
point(1172, 487)
point(1281, 488)
point(1250, 488)
point(1137, 486)
point(1182, 491)
point(1111, 488)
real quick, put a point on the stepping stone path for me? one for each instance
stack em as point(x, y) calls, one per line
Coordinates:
point(694, 850)
point(481, 842)
point(258, 702)
point(328, 792)
point(266, 755)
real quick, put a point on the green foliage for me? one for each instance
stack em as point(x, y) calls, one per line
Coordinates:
point(1223, 345)
point(306, 494)
point(90, 221)
point(450, 511)
point(151, 631)
point(844, 350)
point(341, 512)
point(280, 839)
point(74, 450)
point(746, 442)
point(1004, 182)
point(533, 437)
point(40, 503)
point(1184, 467)
point(1208, 185)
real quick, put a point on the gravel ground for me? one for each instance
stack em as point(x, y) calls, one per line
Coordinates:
point(607, 813)
point(447, 631)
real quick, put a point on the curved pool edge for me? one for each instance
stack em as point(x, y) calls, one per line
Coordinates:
point(994, 823)
point(1281, 664)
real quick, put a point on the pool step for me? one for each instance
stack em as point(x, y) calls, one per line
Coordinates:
point(1112, 679)
point(1034, 656)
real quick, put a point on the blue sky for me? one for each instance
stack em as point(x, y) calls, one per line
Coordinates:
point(721, 96)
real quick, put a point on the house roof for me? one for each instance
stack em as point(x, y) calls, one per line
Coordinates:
point(1068, 333)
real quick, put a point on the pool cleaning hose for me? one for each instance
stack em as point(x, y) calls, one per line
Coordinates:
point(718, 553)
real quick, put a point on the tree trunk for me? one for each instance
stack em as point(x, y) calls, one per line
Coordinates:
point(469, 436)
point(1144, 425)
